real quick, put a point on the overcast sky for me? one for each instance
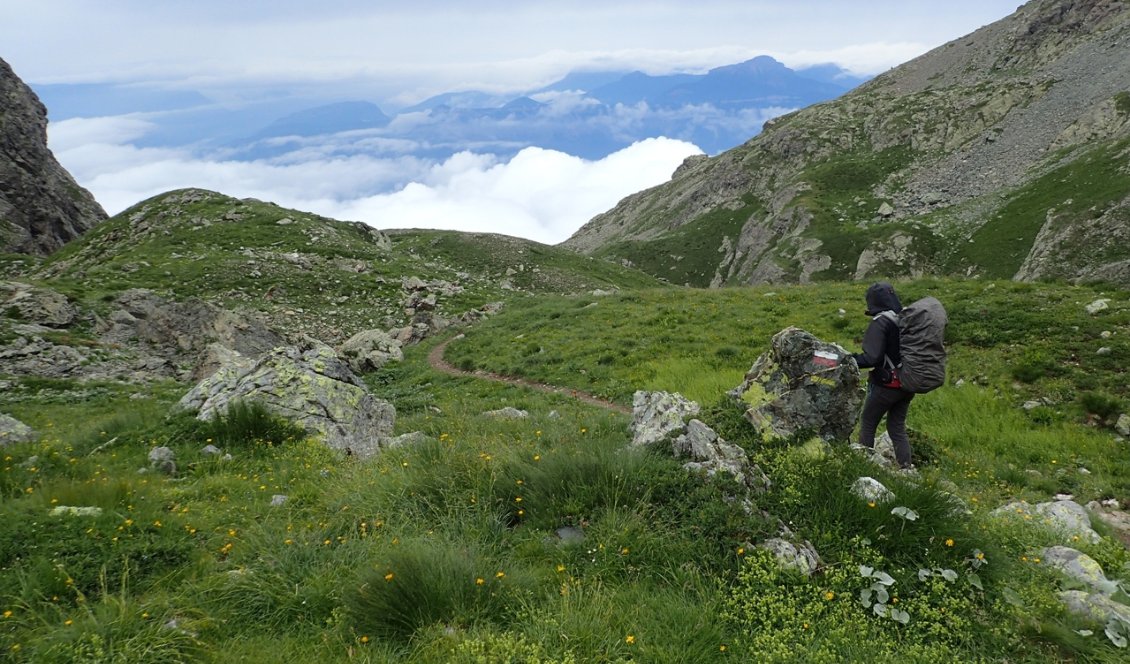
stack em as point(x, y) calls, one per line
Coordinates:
point(396, 53)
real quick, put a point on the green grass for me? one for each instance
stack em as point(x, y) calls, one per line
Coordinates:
point(1079, 191)
point(448, 551)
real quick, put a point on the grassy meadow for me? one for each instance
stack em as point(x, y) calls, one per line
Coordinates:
point(546, 539)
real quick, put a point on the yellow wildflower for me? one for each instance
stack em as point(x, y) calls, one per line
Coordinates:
point(629, 639)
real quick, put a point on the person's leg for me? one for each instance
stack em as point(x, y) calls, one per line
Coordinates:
point(873, 409)
point(896, 426)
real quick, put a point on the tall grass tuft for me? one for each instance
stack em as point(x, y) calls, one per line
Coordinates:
point(246, 423)
point(420, 583)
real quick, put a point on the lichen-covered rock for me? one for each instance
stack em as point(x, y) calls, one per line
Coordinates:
point(657, 416)
point(307, 384)
point(1095, 606)
point(710, 454)
point(14, 431)
point(802, 385)
point(1080, 567)
point(802, 558)
point(1066, 517)
point(370, 350)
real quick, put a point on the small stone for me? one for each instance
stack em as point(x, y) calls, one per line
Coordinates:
point(508, 413)
point(278, 500)
point(210, 450)
point(1098, 305)
point(1105, 350)
point(871, 490)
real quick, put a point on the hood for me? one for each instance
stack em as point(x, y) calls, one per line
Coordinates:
point(881, 296)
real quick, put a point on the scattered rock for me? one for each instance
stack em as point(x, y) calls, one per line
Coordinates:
point(70, 510)
point(211, 450)
point(370, 350)
point(802, 558)
point(802, 386)
point(570, 534)
point(871, 490)
point(659, 415)
point(278, 500)
point(14, 431)
point(507, 413)
point(308, 384)
point(1122, 426)
point(710, 454)
point(1098, 305)
point(885, 210)
point(163, 459)
point(407, 439)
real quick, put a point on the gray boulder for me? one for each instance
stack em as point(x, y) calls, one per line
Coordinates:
point(802, 385)
point(1095, 606)
point(871, 490)
point(507, 413)
point(163, 459)
point(1066, 517)
point(14, 431)
point(800, 557)
point(307, 384)
point(657, 416)
point(40, 306)
point(710, 454)
point(1122, 426)
point(370, 350)
point(1080, 567)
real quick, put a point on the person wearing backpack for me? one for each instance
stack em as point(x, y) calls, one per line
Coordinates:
point(882, 354)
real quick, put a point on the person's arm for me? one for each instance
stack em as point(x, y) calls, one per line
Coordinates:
point(874, 345)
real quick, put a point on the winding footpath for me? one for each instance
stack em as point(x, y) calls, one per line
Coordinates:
point(437, 362)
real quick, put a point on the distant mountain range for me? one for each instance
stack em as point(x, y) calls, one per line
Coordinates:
point(587, 114)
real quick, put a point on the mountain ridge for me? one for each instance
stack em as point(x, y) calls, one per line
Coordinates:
point(900, 175)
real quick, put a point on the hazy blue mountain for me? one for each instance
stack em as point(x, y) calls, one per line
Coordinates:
point(328, 119)
point(587, 114)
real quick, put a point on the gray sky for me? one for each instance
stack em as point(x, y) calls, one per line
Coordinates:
point(398, 53)
point(414, 49)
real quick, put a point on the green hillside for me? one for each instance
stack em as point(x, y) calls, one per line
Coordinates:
point(451, 550)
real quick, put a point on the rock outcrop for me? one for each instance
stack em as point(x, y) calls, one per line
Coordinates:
point(802, 386)
point(183, 332)
point(41, 206)
point(307, 384)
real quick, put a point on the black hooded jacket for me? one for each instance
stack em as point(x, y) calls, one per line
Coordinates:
point(882, 335)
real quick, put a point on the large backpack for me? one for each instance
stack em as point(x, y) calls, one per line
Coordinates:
point(922, 331)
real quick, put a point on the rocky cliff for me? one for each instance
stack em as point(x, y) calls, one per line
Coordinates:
point(41, 206)
point(1005, 153)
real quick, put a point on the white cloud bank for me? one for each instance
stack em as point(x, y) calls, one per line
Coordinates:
point(539, 194)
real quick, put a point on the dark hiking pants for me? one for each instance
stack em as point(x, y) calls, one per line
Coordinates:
point(893, 403)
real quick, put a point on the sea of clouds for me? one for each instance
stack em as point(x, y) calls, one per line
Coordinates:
point(539, 194)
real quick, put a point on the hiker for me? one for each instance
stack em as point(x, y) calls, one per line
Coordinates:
point(881, 353)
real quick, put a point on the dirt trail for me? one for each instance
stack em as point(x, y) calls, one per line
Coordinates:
point(435, 359)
